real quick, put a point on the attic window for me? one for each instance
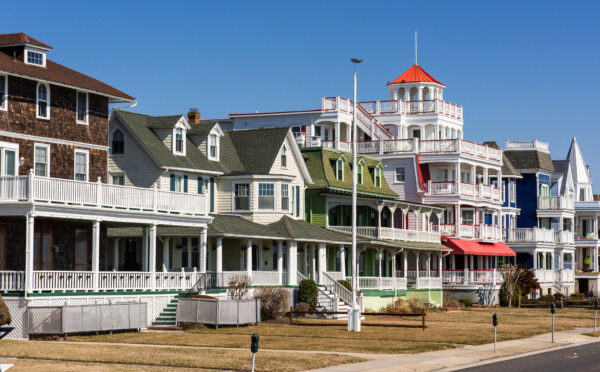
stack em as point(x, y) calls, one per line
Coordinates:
point(283, 157)
point(377, 177)
point(36, 58)
point(339, 170)
point(213, 147)
point(360, 174)
point(179, 141)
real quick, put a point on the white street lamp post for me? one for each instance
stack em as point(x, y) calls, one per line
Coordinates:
point(354, 316)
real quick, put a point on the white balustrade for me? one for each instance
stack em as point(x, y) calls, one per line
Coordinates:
point(100, 195)
point(533, 234)
point(471, 277)
point(63, 280)
point(124, 280)
point(390, 233)
point(556, 203)
point(441, 188)
point(544, 276)
point(265, 278)
point(467, 231)
point(12, 280)
point(438, 146)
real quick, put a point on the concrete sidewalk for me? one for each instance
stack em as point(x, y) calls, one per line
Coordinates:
point(470, 356)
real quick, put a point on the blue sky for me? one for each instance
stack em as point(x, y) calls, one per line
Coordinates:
point(520, 70)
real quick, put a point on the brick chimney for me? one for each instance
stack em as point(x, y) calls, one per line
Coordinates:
point(193, 116)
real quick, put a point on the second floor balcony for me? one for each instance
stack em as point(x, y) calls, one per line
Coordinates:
point(476, 232)
point(101, 196)
point(463, 189)
point(538, 235)
point(556, 203)
point(390, 233)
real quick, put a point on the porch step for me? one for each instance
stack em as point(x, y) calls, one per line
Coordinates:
point(168, 316)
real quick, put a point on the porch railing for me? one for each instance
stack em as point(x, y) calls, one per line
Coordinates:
point(556, 203)
point(471, 277)
point(467, 190)
point(334, 286)
point(535, 234)
point(391, 233)
point(100, 195)
point(544, 276)
point(12, 281)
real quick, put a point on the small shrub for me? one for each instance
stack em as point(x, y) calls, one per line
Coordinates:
point(4, 313)
point(238, 286)
point(346, 284)
point(402, 306)
point(302, 306)
point(308, 292)
point(273, 301)
point(466, 301)
point(449, 299)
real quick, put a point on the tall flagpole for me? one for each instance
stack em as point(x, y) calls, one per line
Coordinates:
point(354, 318)
point(416, 47)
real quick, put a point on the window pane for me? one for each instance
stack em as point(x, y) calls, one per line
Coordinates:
point(285, 199)
point(266, 196)
point(81, 106)
point(80, 166)
point(242, 196)
point(9, 162)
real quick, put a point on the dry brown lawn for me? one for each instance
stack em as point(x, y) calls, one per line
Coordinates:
point(445, 330)
point(135, 358)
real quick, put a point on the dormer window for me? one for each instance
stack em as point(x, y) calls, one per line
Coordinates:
point(213, 147)
point(179, 141)
point(36, 58)
point(82, 108)
point(377, 177)
point(339, 170)
point(43, 99)
point(360, 174)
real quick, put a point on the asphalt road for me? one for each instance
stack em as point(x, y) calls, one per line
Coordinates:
point(573, 359)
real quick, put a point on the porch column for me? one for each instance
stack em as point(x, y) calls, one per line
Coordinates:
point(95, 254)
point(466, 261)
point(313, 262)
point(405, 263)
point(29, 228)
point(440, 264)
point(249, 257)
point(535, 259)
point(166, 253)
point(472, 262)
point(417, 271)
point(394, 267)
point(202, 250)
point(145, 250)
point(429, 264)
point(292, 248)
point(305, 264)
point(452, 262)
point(322, 261)
point(280, 261)
point(343, 261)
point(336, 138)
point(189, 251)
point(219, 256)
point(116, 254)
point(152, 252)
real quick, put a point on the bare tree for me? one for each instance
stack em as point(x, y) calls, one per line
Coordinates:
point(511, 274)
point(238, 286)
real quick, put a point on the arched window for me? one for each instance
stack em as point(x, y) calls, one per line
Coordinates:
point(43, 97)
point(118, 142)
point(377, 177)
point(339, 170)
point(360, 174)
point(283, 157)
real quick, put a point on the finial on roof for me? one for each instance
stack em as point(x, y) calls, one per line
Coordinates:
point(416, 47)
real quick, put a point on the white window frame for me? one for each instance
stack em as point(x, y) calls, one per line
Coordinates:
point(217, 146)
point(87, 106)
point(274, 196)
point(377, 176)
point(183, 139)
point(26, 57)
point(111, 142)
point(87, 164)
point(284, 157)
point(472, 210)
point(360, 174)
point(117, 174)
point(403, 175)
point(513, 191)
point(233, 196)
point(37, 101)
point(337, 169)
point(4, 102)
point(285, 186)
point(47, 147)
point(10, 146)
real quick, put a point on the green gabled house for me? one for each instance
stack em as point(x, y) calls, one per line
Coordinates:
point(399, 242)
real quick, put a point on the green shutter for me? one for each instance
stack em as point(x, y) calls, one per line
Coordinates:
point(172, 182)
point(185, 179)
point(200, 185)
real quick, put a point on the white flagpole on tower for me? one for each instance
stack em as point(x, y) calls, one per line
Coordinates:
point(416, 47)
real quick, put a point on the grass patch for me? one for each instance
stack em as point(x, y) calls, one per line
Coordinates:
point(445, 330)
point(144, 358)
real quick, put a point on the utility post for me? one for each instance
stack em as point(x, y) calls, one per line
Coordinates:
point(552, 310)
point(495, 323)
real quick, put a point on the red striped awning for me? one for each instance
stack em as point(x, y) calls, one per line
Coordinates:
point(472, 247)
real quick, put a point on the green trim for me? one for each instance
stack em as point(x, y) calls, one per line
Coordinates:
point(216, 291)
point(13, 294)
point(381, 293)
point(112, 293)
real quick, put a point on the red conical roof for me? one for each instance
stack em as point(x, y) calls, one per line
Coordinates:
point(415, 74)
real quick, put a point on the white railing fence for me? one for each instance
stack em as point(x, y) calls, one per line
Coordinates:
point(12, 281)
point(100, 195)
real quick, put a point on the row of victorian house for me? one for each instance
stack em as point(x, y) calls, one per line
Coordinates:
point(101, 205)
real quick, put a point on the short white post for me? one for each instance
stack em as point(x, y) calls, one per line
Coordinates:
point(202, 250)
point(30, 180)
point(99, 192)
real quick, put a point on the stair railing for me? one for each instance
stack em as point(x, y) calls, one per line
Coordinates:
point(335, 287)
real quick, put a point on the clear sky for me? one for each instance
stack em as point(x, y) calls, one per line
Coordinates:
point(521, 70)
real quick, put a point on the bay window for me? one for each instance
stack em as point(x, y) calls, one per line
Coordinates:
point(242, 196)
point(266, 196)
point(285, 197)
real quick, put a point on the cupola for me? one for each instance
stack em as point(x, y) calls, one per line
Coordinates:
point(415, 84)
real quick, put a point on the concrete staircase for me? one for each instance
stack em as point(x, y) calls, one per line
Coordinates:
point(329, 301)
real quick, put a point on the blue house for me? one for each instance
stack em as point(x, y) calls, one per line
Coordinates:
point(542, 233)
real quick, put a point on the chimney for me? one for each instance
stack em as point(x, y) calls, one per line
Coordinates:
point(193, 116)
